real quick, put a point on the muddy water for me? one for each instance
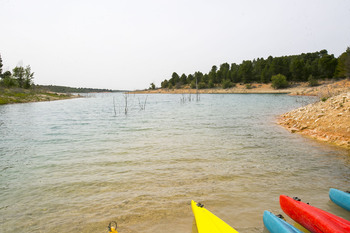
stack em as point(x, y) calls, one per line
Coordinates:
point(75, 165)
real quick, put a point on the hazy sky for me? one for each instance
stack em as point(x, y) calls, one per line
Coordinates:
point(127, 44)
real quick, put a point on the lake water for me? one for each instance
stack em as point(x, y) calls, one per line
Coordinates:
point(75, 165)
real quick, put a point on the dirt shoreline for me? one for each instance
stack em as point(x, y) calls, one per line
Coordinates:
point(327, 120)
point(256, 88)
point(326, 88)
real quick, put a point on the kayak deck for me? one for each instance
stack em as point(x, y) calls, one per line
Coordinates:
point(340, 198)
point(276, 225)
point(312, 218)
point(207, 222)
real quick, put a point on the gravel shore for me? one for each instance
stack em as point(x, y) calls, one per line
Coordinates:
point(327, 120)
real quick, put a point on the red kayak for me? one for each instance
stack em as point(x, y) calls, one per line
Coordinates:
point(312, 218)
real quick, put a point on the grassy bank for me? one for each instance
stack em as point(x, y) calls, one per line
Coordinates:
point(19, 95)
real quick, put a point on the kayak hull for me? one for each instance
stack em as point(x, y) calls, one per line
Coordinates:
point(340, 198)
point(209, 223)
point(276, 225)
point(312, 218)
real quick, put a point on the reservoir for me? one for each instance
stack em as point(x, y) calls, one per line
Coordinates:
point(76, 165)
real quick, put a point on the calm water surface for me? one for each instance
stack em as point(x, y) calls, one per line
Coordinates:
point(75, 165)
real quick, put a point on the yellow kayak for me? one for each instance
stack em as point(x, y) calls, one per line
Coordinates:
point(207, 222)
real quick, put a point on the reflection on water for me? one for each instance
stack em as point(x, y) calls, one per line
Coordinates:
point(76, 165)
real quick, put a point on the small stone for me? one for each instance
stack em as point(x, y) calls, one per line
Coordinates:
point(294, 130)
point(303, 127)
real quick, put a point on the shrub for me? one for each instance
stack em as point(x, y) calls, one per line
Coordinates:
point(178, 85)
point(211, 84)
point(193, 84)
point(248, 86)
point(279, 81)
point(202, 85)
point(227, 84)
point(312, 81)
point(9, 82)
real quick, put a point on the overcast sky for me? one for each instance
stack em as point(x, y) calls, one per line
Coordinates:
point(128, 44)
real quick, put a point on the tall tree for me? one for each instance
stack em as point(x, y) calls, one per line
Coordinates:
point(343, 66)
point(327, 64)
point(175, 78)
point(18, 72)
point(234, 73)
point(28, 77)
point(277, 66)
point(212, 74)
point(0, 66)
point(224, 68)
point(258, 68)
point(246, 71)
point(297, 69)
point(265, 76)
point(183, 79)
point(347, 63)
point(164, 84)
point(190, 78)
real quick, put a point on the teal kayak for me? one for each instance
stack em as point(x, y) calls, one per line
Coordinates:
point(340, 198)
point(277, 225)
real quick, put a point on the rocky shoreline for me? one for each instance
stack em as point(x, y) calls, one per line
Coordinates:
point(327, 120)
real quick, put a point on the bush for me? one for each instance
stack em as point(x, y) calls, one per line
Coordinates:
point(9, 82)
point(279, 81)
point(152, 86)
point(211, 84)
point(227, 84)
point(178, 85)
point(193, 84)
point(165, 84)
point(312, 81)
point(248, 86)
point(202, 85)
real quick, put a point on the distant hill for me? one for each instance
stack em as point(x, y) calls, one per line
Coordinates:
point(64, 89)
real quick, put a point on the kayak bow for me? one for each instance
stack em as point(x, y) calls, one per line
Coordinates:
point(277, 225)
point(312, 218)
point(207, 222)
point(340, 198)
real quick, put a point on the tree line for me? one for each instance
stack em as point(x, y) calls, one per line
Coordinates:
point(306, 67)
point(64, 89)
point(20, 76)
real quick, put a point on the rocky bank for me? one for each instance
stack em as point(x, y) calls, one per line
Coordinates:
point(327, 120)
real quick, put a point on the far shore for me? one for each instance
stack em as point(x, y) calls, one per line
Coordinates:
point(325, 88)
